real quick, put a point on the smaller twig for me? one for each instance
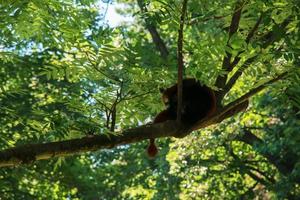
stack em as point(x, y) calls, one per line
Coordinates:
point(138, 95)
point(254, 29)
point(249, 138)
point(248, 38)
point(272, 35)
point(255, 90)
point(256, 178)
point(237, 74)
point(100, 71)
point(197, 20)
point(108, 111)
point(114, 107)
point(270, 179)
point(269, 39)
point(103, 104)
point(249, 190)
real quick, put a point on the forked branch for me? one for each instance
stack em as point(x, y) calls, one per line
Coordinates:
point(236, 106)
point(234, 24)
point(268, 39)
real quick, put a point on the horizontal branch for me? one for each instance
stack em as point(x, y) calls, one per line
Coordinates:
point(33, 152)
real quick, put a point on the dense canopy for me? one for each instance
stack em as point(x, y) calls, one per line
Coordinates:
point(78, 95)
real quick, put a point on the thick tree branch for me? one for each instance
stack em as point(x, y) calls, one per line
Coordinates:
point(33, 152)
point(159, 43)
point(180, 60)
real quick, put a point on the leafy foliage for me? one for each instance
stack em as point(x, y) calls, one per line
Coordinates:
point(66, 74)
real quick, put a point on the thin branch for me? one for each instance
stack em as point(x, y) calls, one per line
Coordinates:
point(249, 191)
point(113, 118)
point(102, 104)
point(197, 20)
point(254, 29)
point(180, 60)
point(234, 24)
point(273, 35)
point(114, 107)
point(248, 38)
point(127, 97)
point(256, 178)
point(255, 90)
point(108, 112)
point(264, 174)
point(100, 71)
point(269, 39)
point(249, 168)
point(237, 74)
point(159, 43)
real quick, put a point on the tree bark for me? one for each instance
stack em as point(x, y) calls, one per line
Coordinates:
point(33, 152)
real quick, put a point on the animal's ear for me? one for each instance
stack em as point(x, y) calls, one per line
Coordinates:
point(162, 90)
